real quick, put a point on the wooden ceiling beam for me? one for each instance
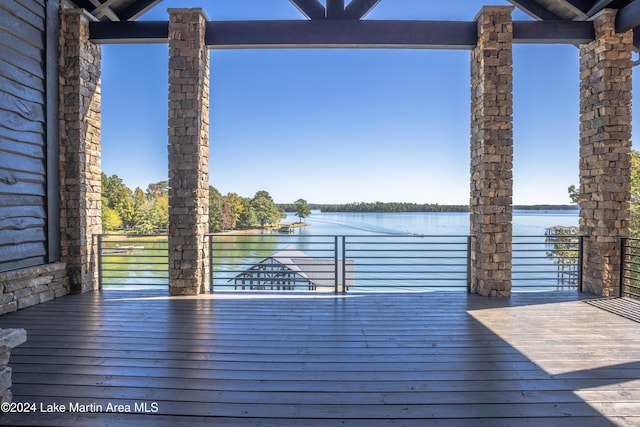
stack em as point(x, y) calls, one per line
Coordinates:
point(358, 9)
point(104, 9)
point(598, 6)
point(129, 32)
point(628, 17)
point(553, 32)
point(343, 33)
point(577, 7)
point(335, 9)
point(311, 9)
point(97, 11)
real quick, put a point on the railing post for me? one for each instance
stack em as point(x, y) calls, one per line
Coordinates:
point(580, 262)
point(468, 264)
point(210, 236)
point(623, 256)
point(335, 264)
point(100, 261)
point(344, 265)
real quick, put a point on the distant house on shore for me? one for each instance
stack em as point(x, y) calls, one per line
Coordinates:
point(289, 267)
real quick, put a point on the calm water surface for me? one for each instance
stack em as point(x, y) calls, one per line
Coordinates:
point(525, 223)
point(238, 252)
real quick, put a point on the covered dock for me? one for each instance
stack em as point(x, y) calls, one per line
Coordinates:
point(289, 267)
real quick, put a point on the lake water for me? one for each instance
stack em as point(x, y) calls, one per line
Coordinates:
point(409, 251)
point(387, 252)
point(525, 222)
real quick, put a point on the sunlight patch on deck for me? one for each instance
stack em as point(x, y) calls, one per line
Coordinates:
point(559, 337)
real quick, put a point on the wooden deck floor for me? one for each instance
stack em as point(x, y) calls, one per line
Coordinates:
point(429, 359)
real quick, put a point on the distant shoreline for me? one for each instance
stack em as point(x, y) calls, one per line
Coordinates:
point(263, 230)
point(415, 208)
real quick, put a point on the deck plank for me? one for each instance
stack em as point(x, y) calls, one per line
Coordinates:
point(445, 358)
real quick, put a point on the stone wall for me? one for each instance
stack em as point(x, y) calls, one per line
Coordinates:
point(9, 339)
point(188, 152)
point(80, 172)
point(492, 153)
point(605, 143)
point(29, 286)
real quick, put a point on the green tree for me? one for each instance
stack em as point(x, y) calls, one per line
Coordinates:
point(266, 211)
point(635, 194)
point(263, 193)
point(235, 207)
point(574, 194)
point(302, 209)
point(215, 210)
point(139, 198)
point(248, 216)
point(119, 197)
point(153, 216)
point(160, 213)
point(110, 219)
point(226, 218)
point(128, 213)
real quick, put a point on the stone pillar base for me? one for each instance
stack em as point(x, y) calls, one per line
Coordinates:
point(9, 339)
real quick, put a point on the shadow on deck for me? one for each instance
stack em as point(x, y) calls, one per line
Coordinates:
point(442, 358)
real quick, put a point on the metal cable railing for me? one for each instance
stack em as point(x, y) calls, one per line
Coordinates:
point(630, 268)
point(547, 262)
point(339, 263)
point(405, 263)
point(133, 260)
point(300, 262)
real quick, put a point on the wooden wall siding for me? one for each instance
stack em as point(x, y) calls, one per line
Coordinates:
point(23, 171)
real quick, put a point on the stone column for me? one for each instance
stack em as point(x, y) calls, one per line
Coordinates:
point(80, 121)
point(605, 144)
point(188, 152)
point(492, 153)
point(9, 339)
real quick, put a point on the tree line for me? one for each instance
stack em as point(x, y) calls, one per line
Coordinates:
point(233, 212)
point(139, 211)
point(147, 211)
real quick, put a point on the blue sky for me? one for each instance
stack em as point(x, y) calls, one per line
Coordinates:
point(337, 125)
